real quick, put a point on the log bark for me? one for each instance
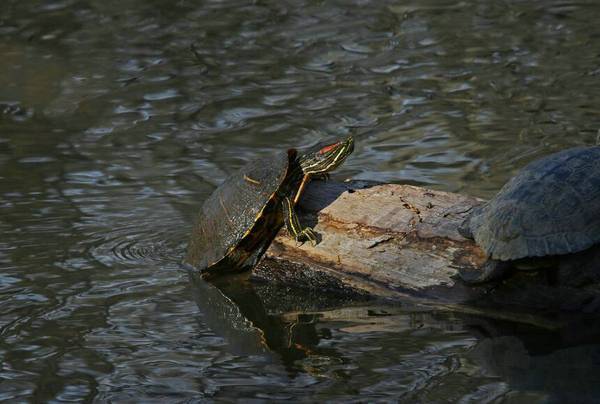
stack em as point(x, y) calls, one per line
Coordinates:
point(401, 241)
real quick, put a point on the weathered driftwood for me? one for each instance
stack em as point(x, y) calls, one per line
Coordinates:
point(399, 241)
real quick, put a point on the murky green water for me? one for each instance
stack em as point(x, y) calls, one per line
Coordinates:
point(118, 118)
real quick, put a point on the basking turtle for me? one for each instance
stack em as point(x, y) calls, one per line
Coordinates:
point(549, 209)
point(242, 216)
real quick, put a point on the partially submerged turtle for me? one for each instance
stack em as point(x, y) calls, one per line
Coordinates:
point(549, 209)
point(240, 219)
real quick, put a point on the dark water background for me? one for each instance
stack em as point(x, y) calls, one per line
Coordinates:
point(117, 118)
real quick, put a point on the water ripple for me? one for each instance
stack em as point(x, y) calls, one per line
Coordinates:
point(131, 246)
point(113, 129)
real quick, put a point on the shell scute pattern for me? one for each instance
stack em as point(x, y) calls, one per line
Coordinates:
point(236, 208)
point(551, 207)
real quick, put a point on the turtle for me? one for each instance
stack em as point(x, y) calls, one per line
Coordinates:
point(240, 219)
point(548, 211)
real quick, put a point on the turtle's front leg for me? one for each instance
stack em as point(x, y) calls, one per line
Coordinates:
point(305, 180)
point(293, 224)
point(301, 187)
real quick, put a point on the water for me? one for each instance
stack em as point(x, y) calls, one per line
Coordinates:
point(118, 118)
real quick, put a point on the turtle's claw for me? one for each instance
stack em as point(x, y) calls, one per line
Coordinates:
point(307, 234)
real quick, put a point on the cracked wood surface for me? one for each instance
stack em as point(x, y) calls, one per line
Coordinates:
point(396, 237)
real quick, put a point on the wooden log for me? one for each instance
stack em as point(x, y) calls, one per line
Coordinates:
point(389, 238)
point(402, 241)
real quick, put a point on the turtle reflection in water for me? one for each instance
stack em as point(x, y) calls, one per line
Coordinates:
point(548, 210)
point(242, 216)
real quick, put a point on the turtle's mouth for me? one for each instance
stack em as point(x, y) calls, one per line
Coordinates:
point(348, 146)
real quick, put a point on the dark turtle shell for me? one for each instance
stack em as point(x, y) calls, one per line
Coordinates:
point(242, 216)
point(551, 207)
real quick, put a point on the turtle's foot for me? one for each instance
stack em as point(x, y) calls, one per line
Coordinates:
point(307, 234)
point(464, 229)
point(492, 270)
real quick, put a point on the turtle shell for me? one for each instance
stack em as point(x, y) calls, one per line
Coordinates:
point(242, 216)
point(551, 207)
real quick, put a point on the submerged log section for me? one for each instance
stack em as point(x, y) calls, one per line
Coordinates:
point(392, 241)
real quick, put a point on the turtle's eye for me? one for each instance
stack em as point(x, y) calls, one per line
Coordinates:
point(328, 148)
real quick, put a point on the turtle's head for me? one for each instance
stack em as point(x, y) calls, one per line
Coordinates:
point(326, 157)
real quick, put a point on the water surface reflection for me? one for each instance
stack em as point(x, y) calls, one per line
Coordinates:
point(117, 119)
